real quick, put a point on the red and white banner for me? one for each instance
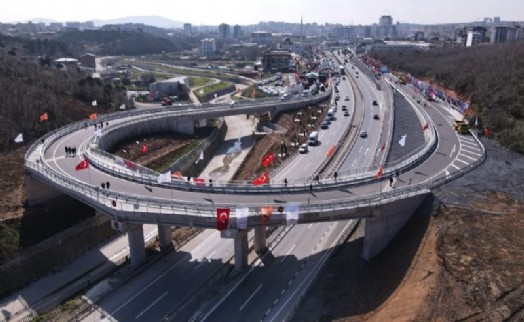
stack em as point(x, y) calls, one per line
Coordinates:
point(199, 182)
point(222, 218)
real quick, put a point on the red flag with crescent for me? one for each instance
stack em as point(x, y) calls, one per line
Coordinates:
point(425, 127)
point(222, 218)
point(261, 179)
point(144, 149)
point(82, 165)
point(267, 159)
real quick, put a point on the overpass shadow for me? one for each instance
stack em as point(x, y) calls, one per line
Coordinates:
point(350, 286)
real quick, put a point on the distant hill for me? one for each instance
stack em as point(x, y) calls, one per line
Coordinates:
point(155, 21)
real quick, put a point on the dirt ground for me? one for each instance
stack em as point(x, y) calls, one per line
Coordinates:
point(459, 258)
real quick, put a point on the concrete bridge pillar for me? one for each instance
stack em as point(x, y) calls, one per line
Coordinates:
point(241, 250)
point(164, 237)
point(386, 220)
point(260, 239)
point(137, 247)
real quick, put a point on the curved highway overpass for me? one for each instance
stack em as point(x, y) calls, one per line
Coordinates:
point(136, 197)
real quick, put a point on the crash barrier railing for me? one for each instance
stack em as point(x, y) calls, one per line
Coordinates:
point(130, 203)
point(48, 139)
point(136, 173)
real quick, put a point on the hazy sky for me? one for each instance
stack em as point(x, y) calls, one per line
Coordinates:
point(214, 12)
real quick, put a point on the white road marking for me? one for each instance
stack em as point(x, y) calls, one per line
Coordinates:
point(287, 254)
point(309, 227)
point(463, 155)
point(454, 166)
point(462, 161)
point(147, 308)
point(250, 297)
point(453, 150)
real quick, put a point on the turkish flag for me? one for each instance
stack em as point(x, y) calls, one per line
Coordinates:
point(92, 116)
point(144, 149)
point(487, 132)
point(261, 179)
point(380, 172)
point(199, 182)
point(222, 218)
point(266, 213)
point(382, 147)
point(82, 165)
point(267, 159)
point(130, 165)
point(44, 117)
point(425, 127)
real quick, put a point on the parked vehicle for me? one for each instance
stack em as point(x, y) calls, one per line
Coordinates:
point(303, 148)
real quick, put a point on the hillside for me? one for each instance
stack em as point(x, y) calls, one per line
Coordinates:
point(491, 77)
point(30, 90)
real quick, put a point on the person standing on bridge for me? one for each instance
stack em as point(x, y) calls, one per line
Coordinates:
point(391, 181)
point(336, 175)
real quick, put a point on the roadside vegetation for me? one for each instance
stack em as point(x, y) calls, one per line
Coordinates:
point(490, 77)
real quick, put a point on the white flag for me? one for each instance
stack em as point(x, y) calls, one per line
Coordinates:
point(119, 160)
point(93, 103)
point(164, 177)
point(291, 214)
point(19, 138)
point(402, 141)
point(201, 92)
point(201, 157)
point(242, 214)
point(123, 106)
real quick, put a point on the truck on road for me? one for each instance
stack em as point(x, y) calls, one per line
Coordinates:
point(313, 138)
point(461, 127)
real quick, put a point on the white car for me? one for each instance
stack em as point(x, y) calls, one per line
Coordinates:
point(303, 148)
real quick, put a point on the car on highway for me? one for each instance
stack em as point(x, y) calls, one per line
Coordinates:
point(344, 108)
point(346, 113)
point(363, 134)
point(324, 125)
point(347, 98)
point(375, 103)
point(376, 117)
point(303, 148)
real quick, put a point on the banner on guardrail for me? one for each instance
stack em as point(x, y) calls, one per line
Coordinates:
point(241, 215)
point(291, 214)
point(266, 213)
point(222, 218)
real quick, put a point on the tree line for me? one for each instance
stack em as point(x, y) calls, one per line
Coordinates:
point(491, 77)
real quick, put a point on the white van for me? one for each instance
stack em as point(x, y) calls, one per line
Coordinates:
point(313, 138)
